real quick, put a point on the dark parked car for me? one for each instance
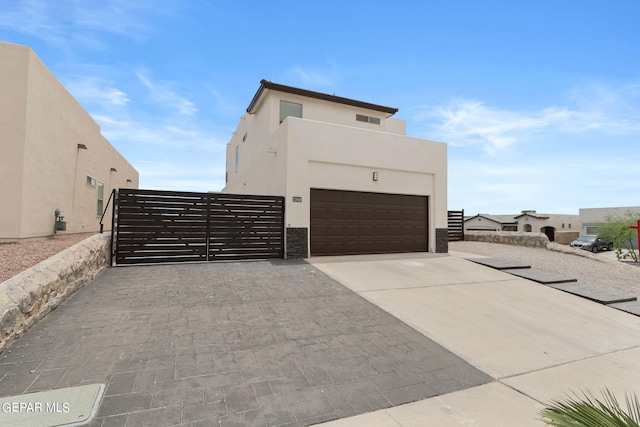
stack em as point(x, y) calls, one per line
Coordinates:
point(591, 242)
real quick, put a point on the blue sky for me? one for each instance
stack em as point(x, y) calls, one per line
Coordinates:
point(539, 102)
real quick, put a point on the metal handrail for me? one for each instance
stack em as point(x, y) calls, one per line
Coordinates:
point(113, 196)
point(113, 192)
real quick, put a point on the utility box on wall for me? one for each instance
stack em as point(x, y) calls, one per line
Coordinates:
point(60, 223)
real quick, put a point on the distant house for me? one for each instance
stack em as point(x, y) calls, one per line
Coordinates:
point(486, 222)
point(52, 153)
point(526, 221)
point(591, 218)
point(352, 180)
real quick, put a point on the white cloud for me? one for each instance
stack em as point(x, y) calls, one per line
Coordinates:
point(163, 93)
point(587, 109)
point(171, 135)
point(93, 90)
point(221, 103)
point(327, 76)
point(470, 122)
point(611, 109)
point(68, 23)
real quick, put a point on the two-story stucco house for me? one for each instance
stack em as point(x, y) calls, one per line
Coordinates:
point(52, 154)
point(353, 182)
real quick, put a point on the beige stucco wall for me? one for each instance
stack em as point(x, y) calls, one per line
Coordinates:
point(590, 218)
point(321, 151)
point(45, 167)
point(13, 105)
point(328, 156)
point(324, 111)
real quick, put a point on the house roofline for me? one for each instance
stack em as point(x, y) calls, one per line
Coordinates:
point(500, 219)
point(539, 216)
point(265, 84)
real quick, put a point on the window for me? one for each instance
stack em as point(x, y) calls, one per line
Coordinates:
point(100, 197)
point(91, 181)
point(367, 119)
point(290, 109)
point(244, 137)
point(237, 157)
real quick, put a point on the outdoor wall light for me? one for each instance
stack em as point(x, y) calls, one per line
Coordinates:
point(375, 176)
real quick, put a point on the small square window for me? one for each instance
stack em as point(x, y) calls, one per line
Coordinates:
point(290, 109)
point(91, 181)
point(367, 119)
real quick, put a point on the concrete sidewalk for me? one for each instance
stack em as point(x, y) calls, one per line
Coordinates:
point(536, 342)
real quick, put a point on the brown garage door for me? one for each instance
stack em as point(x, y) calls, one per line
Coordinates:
point(351, 222)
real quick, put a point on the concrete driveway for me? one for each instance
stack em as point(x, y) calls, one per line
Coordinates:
point(537, 343)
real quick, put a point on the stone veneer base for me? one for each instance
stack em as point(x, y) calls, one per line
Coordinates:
point(29, 296)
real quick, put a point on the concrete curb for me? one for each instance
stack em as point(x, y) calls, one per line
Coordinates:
point(29, 296)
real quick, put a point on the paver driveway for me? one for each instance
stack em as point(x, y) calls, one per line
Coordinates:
point(244, 343)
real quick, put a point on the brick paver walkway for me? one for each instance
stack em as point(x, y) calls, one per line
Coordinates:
point(245, 343)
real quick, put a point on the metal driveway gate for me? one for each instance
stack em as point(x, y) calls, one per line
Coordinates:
point(456, 225)
point(169, 226)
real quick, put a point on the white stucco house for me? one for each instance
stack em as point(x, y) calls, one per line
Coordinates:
point(353, 181)
point(52, 154)
point(526, 221)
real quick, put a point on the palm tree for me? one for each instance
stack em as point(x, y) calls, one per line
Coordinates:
point(591, 412)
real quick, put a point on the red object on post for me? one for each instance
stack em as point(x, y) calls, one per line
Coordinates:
point(637, 227)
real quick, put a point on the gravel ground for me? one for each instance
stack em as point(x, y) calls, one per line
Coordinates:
point(590, 269)
point(15, 257)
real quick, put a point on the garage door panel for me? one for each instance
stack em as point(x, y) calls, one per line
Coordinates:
point(348, 222)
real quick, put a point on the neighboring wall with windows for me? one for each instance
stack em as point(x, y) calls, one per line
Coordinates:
point(292, 140)
point(53, 154)
point(591, 218)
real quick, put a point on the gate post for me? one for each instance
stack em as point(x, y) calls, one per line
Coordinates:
point(116, 202)
point(637, 227)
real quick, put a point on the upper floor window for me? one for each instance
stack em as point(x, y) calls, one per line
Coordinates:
point(290, 109)
point(367, 119)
